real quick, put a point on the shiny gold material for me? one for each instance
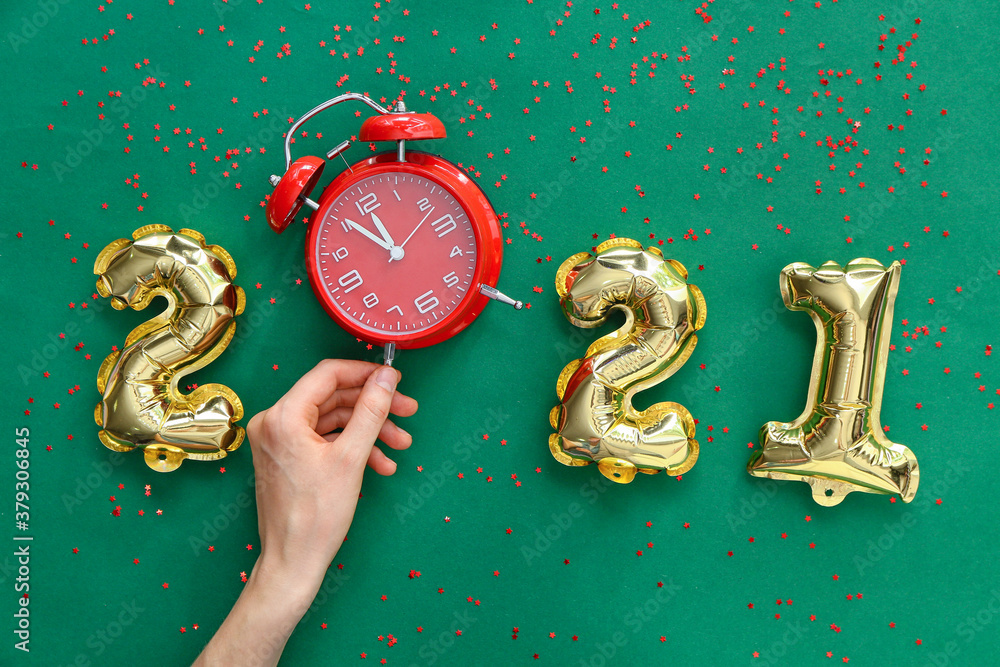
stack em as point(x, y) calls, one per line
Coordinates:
point(837, 445)
point(141, 406)
point(595, 420)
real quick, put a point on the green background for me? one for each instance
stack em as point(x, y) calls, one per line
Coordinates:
point(869, 581)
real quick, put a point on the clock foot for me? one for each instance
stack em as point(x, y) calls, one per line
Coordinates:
point(389, 354)
point(497, 295)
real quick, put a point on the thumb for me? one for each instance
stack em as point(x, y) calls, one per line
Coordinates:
point(372, 407)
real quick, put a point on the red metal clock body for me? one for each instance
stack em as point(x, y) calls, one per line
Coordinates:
point(443, 242)
point(403, 248)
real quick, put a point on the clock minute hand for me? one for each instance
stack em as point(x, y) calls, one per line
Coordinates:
point(397, 252)
point(381, 242)
point(417, 227)
point(382, 230)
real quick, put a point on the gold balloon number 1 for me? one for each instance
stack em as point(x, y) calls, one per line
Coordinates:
point(141, 406)
point(595, 420)
point(837, 444)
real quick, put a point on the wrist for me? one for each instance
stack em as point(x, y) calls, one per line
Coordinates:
point(283, 587)
point(272, 603)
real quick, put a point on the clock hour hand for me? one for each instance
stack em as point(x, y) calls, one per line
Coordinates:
point(381, 242)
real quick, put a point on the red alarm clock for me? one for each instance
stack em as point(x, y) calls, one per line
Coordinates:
point(404, 249)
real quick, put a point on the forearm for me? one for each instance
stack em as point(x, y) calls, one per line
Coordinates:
point(256, 630)
point(309, 454)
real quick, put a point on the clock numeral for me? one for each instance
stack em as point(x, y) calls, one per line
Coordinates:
point(350, 281)
point(444, 224)
point(367, 204)
point(456, 252)
point(451, 279)
point(339, 254)
point(424, 204)
point(426, 301)
point(371, 300)
point(397, 309)
point(347, 227)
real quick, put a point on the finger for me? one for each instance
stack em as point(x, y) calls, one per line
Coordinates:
point(318, 385)
point(376, 455)
point(333, 420)
point(402, 405)
point(371, 408)
point(390, 433)
point(343, 396)
point(253, 428)
point(381, 463)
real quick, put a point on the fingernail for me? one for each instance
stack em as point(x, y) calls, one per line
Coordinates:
point(386, 378)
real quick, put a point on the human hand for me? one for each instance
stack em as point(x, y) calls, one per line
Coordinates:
point(308, 475)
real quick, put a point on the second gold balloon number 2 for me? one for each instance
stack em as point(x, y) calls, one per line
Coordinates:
point(141, 406)
point(595, 421)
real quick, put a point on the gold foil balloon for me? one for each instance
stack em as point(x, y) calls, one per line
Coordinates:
point(141, 406)
point(837, 445)
point(595, 421)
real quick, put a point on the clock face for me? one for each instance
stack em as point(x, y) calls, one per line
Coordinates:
point(394, 254)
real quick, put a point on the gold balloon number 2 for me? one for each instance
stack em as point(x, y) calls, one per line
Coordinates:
point(595, 421)
point(141, 406)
